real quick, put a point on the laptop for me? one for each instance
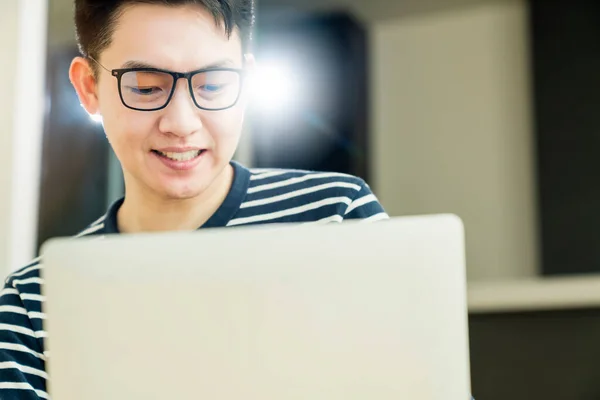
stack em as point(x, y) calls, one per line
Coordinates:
point(352, 311)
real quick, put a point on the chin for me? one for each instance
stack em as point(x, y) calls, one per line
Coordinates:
point(185, 186)
point(182, 193)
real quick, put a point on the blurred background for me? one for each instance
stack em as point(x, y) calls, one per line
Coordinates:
point(482, 108)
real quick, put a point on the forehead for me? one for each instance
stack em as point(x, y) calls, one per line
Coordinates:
point(181, 38)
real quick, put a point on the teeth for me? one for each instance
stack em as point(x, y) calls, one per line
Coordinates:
point(187, 156)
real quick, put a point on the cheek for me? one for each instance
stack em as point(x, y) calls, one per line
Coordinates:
point(225, 127)
point(121, 124)
point(126, 130)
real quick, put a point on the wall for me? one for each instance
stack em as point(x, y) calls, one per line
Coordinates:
point(368, 10)
point(452, 128)
point(9, 12)
point(22, 55)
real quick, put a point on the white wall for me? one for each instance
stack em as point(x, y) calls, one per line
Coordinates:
point(9, 12)
point(452, 128)
point(22, 64)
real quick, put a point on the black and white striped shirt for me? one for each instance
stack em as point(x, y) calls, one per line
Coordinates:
point(256, 197)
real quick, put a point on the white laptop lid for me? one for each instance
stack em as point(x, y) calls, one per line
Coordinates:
point(351, 311)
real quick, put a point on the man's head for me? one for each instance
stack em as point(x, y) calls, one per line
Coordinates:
point(157, 124)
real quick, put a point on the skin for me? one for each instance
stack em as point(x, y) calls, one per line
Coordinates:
point(182, 39)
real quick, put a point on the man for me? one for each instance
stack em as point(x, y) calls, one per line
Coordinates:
point(167, 77)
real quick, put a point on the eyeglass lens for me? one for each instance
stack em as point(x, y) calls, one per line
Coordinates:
point(212, 90)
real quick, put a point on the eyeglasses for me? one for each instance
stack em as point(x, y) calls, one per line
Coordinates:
point(151, 89)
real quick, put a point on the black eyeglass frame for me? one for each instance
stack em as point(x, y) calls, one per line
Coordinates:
point(118, 74)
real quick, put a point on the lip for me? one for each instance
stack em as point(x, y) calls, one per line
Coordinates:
point(178, 149)
point(179, 165)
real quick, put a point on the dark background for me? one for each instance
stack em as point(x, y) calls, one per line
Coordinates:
point(566, 70)
point(327, 129)
point(546, 355)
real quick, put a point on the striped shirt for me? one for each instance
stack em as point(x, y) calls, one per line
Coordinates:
point(256, 197)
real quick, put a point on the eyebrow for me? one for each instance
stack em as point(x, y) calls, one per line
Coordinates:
point(143, 65)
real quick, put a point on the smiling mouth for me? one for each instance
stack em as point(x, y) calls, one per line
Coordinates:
point(185, 156)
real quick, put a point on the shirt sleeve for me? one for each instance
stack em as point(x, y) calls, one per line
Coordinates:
point(22, 362)
point(365, 206)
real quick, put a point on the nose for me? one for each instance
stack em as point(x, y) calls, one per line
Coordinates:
point(181, 117)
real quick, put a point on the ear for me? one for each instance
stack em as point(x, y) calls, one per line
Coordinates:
point(83, 80)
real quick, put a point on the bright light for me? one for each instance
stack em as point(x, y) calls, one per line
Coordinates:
point(97, 118)
point(274, 87)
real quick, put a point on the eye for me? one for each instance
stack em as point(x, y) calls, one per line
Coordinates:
point(144, 90)
point(212, 88)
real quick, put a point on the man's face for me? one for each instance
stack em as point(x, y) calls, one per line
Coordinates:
point(180, 39)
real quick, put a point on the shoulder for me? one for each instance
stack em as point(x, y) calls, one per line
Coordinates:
point(97, 227)
point(21, 301)
point(272, 186)
point(289, 196)
point(270, 181)
point(28, 278)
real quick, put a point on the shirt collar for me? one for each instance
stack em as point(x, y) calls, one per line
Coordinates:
point(224, 214)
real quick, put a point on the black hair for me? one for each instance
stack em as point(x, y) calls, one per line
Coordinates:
point(95, 19)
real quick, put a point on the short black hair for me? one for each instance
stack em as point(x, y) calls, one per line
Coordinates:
point(95, 19)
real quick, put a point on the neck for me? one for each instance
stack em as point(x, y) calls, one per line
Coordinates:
point(141, 212)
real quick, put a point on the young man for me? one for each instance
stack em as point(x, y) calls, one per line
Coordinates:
point(167, 77)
